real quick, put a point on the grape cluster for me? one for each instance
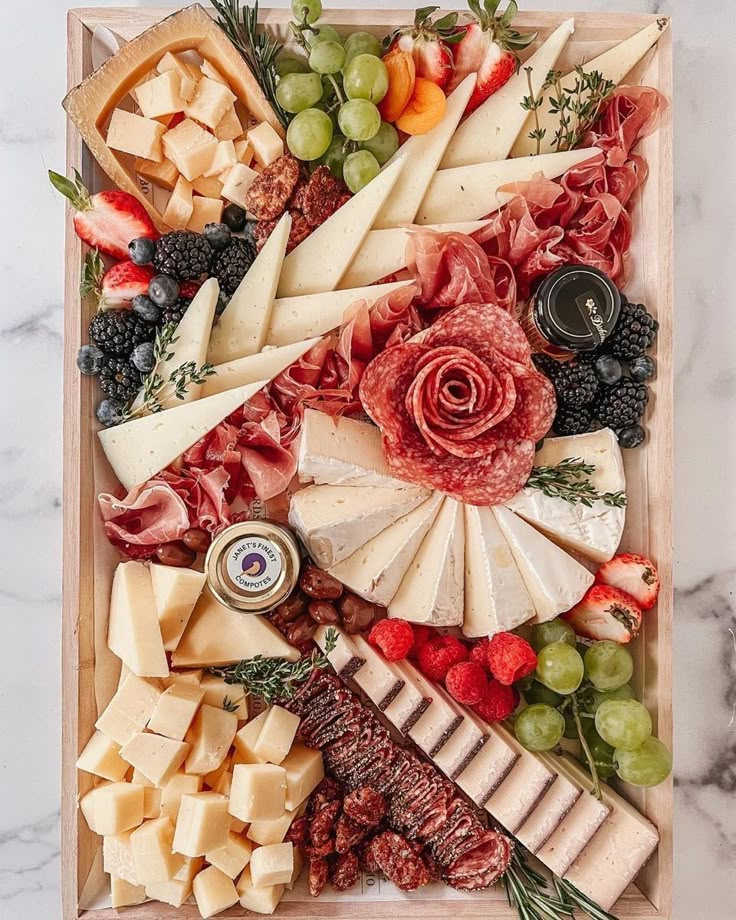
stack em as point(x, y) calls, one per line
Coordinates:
point(332, 92)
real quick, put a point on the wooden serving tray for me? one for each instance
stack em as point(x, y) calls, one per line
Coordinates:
point(89, 560)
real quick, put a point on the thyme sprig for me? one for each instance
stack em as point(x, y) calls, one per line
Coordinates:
point(570, 481)
point(532, 103)
point(231, 705)
point(578, 107)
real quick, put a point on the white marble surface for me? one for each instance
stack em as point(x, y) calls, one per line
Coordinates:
point(32, 139)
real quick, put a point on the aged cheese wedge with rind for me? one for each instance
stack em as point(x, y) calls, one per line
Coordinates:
point(439, 721)
point(472, 192)
point(317, 264)
point(133, 632)
point(546, 817)
point(264, 366)
point(554, 580)
point(460, 748)
point(489, 132)
point(488, 769)
point(375, 677)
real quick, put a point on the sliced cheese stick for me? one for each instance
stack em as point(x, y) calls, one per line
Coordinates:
point(264, 366)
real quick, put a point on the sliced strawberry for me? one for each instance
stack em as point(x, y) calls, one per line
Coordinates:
point(107, 221)
point(123, 282)
point(634, 574)
point(606, 613)
point(429, 43)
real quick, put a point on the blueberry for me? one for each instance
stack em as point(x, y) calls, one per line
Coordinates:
point(608, 369)
point(163, 291)
point(217, 235)
point(109, 413)
point(642, 368)
point(631, 437)
point(142, 250)
point(222, 301)
point(142, 357)
point(89, 359)
point(234, 217)
point(146, 309)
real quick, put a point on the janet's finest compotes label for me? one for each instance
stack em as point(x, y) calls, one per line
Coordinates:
point(255, 564)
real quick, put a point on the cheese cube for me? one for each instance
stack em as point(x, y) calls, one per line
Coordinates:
point(205, 211)
point(224, 158)
point(115, 807)
point(233, 857)
point(176, 709)
point(243, 151)
point(87, 807)
point(210, 738)
point(117, 857)
point(178, 889)
point(157, 758)
point(187, 88)
point(176, 590)
point(153, 858)
point(229, 126)
point(259, 900)
point(151, 795)
point(182, 67)
point(216, 691)
point(246, 739)
point(190, 148)
point(258, 792)
point(272, 865)
point(211, 101)
point(298, 866)
point(129, 710)
point(267, 145)
point(180, 784)
point(224, 784)
point(208, 188)
point(209, 70)
point(191, 675)
point(213, 778)
point(102, 757)
point(163, 174)
point(203, 824)
point(161, 96)
point(304, 770)
point(123, 894)
point(133, 632)
point(214, 892)
point(237, 826)
point(277, 735)
point(177, 215)
point(239, 180)
point(268, 832)
point(134, 134)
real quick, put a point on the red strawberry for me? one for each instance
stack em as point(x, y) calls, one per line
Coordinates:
point(429, 44)
point(634, 574)
point(117, 286)
point(606, 613)
point(107, 221)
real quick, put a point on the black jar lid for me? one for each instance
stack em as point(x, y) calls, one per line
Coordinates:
point(576, 307)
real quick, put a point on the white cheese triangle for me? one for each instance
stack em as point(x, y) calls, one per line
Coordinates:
point(243, 326)
point(555, 581)
point(263, 366)
point(133, 632)
point(489, 132)
point(472, 192)
point(317, 264)
point(422, 154)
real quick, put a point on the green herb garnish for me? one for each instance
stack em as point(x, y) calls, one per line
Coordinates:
point(578, 106)
point(570, 481)
point(532, 103)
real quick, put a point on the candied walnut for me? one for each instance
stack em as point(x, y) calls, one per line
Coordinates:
point(318, 871)
point(366, 859)
point(269, 194)
point(321, 851)
point(327, 790)
point(345, 872)
point(297, 833)
point(323, 195)
point(348, 834)
point(398, 861)
point(322, 824)
point(365, 805)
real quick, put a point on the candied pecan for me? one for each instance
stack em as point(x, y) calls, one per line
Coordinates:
point(297, 833)
point(398, 861)
point(327, 790)
point(365, 805)
point(319, 852)
point(345, 872)
point(323, 823)
point(348, 834)
point(269, 194)
point(318, 870)
point(365, 856)
point(323, 195)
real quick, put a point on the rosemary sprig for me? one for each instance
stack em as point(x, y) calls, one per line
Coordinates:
point(570, 481)
point(532, 103)
point(277, 678)
point(570, 895)
point(578, 107)
point(596, 790)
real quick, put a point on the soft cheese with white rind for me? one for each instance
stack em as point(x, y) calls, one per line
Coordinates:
point(555, 581)
point(489, 132)
point(542, 822)
point(266, 365)
point(334, 521)
point(613, 65)
point(318, 263)
point(243, 326)
point(432, 590)
point(376, 569)
point(139, 449)
point(496, 599)
point(594, 532)
point(472, 192)
point(422, 154)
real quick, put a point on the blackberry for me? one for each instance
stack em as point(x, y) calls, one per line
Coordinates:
point(183, 255)
point(229, 265)
point(634, 332)
point(119, 379)
point(572, 421)
point(174, 313)
point(575, 381)
point(622, 405)
point(117, 332)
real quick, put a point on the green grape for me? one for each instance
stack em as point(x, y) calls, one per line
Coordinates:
point(366, 77)
point(596, 697)
point(323, 34)
point(538, 693)
point(362, 43)
point(608, 665)
point(384, 144)
point(359, 120)
point(334, 157)
point(312, 9)
point(309, 134)
point(359, 169)
point(539, 727)
point(299, 91)
point(560, 668)
point(603, 753)
point(623, 723)
point(553, 631)
point(327, 57)
point(286, 65)
point(647, 765)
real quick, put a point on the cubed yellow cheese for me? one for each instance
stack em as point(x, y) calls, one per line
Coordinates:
point(117, 857)
point(239, 180)
point(213, 778)
point(133, 631)
point(277, 735)
point(190, 148)
point(223, 159)
point(157, 758)
point(101, 757)
point(272, 865)
point(187, 88)
point(123, 894)
point(259, 900)
point(298, 866)
point(268, 832)
point(163, 174)
point(224, 784)
point(246, 739)
point(203, 824)
point(176, 590)
point(87, 807)
point(237, 826)
point(177, 215)
point(136, 135)
point(176, 709)
point(115, 807)
point(129, 710)
point(161, 96)
point(151, 795)
point(192, 675)
point(205, 211)
point(258, 792)
point(217, 691)
point(208, 188)
point(267, 145)
point(304, 770)
point(243, 151)
point(211, 101)
point(214, 892)
point(179, 64)
point(179, 889)
point(153, 858)
point(209, 70)
point(233, 857)
point(180, 784)
point(210, 738)
point(229, 126)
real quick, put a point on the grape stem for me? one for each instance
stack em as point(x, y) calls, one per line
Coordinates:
point(299, 28)
point(336, 87)
point(596, 790)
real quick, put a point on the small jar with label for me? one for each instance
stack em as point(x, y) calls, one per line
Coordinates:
point(573, 310)
point(254, 566)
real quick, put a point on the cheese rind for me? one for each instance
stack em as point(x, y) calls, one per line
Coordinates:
point(175, 593)
point(133, 632)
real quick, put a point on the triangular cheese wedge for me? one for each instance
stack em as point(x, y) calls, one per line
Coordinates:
point(613, 65)
point(243, 326)
point(489, 132)
point(317, 264)
point(555, 581)
point(297, 318)
point(176, 591)
point(264, 366)
point(139, 449)
point(376, 570)
point(133, 632)
point(422, 154)
point(384, 252)
point(471, 192)
point(496, 599)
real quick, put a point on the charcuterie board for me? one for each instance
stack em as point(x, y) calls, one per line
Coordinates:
point(91, 671)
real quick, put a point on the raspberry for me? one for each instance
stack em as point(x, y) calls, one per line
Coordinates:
point(439, 655)
point(466, 682)
point(479, 653)
point(510, 658)
point(395, 638)
point(188, 289)
point(498, 702)
point(422, 635)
